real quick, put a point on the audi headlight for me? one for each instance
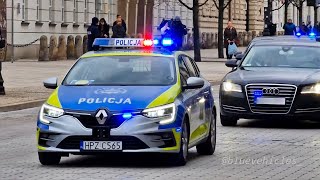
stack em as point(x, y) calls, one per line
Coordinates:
point(231, 87)
point(312, 89)
point(165, 113)
point(49, 111)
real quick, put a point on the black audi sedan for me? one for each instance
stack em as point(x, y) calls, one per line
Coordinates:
point(273, 79)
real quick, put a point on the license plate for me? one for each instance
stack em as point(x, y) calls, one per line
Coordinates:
point(101, 145)
point(271, 101)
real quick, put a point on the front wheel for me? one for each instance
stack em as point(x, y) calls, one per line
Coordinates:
point(228, 120)
point(48, 158)
point(180, 159)
point(208, 147)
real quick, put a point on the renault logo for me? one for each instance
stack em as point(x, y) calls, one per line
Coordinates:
point(101, 116)
point(270, 91)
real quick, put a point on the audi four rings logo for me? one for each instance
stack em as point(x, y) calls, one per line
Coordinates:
point(270, 91)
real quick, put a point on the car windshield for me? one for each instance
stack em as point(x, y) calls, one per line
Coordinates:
point(283, 56)
point(122, 71)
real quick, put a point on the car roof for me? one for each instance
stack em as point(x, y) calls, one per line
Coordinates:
point(287, 43)
point(281, 38)
point(129, 52)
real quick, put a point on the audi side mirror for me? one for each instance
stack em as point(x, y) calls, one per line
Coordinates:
point(239, 57)
point(232, 63)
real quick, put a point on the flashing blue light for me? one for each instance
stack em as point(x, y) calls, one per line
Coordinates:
point(101, 42)
point(167, 42)
point(178, 129)
point(156, 42)
point(298, 34)
point(127, 115)
point(312, 34)
point(257, 94)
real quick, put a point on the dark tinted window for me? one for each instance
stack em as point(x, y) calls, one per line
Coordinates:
point(192, 71)
point(283, 56)
point(122, 70)
point(184, 73)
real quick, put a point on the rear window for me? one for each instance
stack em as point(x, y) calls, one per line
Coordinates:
point(123, 70)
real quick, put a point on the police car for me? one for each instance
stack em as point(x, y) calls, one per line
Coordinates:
point(134, 96)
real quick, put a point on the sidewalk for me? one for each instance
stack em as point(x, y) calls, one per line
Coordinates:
point(211, 55)
point(23, 78)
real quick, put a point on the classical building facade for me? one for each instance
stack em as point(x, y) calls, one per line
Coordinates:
point(33, 18)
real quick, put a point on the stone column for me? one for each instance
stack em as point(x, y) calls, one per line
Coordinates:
point(85, 44)
point(240, 36)
point(43, 51)
point(78, 47)
point(62, 48)
point(70, 47)
point(254, 34)
point(53, 50)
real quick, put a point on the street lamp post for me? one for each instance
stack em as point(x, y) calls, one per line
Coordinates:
point(2, 92)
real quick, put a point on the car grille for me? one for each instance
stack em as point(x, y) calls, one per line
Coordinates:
point(128, 142)
point(233, 108)
point(89, 121)
point(286, 91)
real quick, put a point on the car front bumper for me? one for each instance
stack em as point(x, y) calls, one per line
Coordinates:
point(304, 107)
point(138, 134)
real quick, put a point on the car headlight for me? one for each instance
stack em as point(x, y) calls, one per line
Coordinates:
point(229, 87)
point(49, 111)
point(312, 89)
point(165, 113)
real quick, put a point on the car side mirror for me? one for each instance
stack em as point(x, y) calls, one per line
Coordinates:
point(232, 63)
point(237, 53)
point(194, 83)
point(239, 57)
point(51, 83)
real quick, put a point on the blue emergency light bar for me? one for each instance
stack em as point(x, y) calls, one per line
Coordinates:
point(311, 35)
point(131, 42)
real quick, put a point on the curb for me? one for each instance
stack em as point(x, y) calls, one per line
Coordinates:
point(20, 106)
point(36, 103)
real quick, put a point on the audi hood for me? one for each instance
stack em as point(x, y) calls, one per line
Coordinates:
point(115, 98)
point(295, 76)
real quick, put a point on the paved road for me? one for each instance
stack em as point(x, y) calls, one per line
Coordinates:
point(253, 150)
point(23, 79)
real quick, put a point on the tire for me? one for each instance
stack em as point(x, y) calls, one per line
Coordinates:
point(228, 120)
point(209, 146)
point(181, 158)
point(46, 158)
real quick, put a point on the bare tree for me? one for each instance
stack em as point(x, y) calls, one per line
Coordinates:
point(196, 31)
point(221, 6)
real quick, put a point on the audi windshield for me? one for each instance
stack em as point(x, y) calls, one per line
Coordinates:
point(283, 56)
point(122, 71)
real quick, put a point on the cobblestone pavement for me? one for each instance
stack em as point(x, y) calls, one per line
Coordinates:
point(253, 150)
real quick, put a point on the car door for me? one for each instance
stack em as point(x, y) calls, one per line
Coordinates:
point(203, 102)
point(189, 96)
